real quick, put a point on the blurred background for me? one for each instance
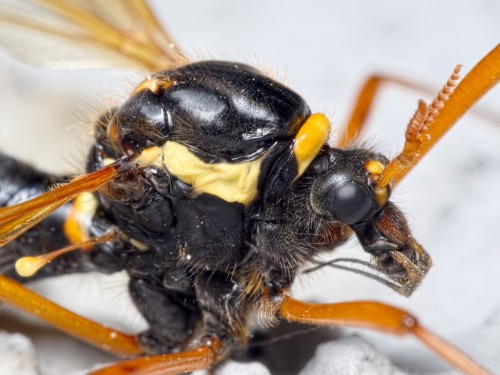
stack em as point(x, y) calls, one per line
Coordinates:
point(324, 50)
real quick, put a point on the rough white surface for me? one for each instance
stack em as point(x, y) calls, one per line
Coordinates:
point(17, 355)
point(235, 368)
point(348, 356)
point(326, 49)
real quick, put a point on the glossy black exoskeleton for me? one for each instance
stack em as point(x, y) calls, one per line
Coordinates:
point(230, 205)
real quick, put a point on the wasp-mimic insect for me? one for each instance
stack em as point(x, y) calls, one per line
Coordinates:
point(131, 141)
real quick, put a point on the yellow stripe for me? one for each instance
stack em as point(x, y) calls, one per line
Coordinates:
point(78, 220)
point(232, 182)
point(309, 140)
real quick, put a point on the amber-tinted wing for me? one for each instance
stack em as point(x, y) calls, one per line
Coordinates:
point(15, 220)
point(80, 34)
point(87, 34)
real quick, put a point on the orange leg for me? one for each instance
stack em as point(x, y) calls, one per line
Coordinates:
point(104, 338)
point(199, 358)
point(380, 317)
point(364, 314)
point(16, 219)
point(364, 104)
point(107, 339)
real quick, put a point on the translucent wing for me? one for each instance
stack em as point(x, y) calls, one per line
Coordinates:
point(87, 34)
point(17, 219)
point(80, 34)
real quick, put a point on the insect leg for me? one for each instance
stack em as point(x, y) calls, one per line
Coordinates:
point(93, 333)
point(171, 315)
point(376, 316)
point(364, 104)
point(17, 219)
point(199, 358)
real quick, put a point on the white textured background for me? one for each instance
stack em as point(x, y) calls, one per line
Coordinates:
point(325, 49)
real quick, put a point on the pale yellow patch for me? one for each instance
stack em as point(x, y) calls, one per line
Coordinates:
point(374, 167)
point(108, 161)
point(231, 182)
point(141, 246)
point(82, 212)
point(149, 157)
point(28, 266)
point(381, 195)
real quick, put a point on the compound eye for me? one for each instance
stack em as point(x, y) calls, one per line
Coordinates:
point(351, 202)
point(345, 200)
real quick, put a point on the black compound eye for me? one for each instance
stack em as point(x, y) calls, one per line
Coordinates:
point(345, 200)
point(351, 202)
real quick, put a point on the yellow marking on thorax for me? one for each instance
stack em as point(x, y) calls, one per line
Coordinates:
point(311, 137)
point(148, 157)
point(374, 167)
point(231, 182)
point(81, 213)
point(108, 161)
